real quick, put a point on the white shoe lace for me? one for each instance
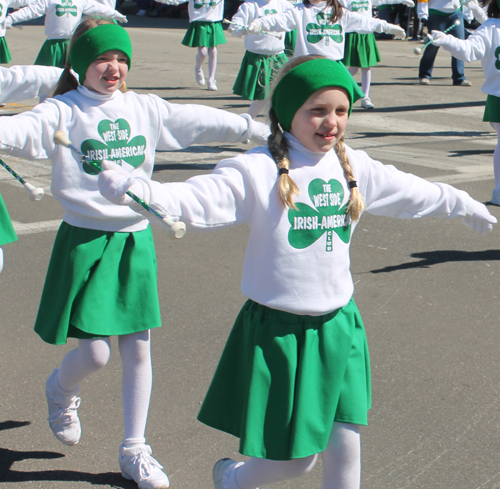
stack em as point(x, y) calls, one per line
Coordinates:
point(144, 464)
point(65, 414)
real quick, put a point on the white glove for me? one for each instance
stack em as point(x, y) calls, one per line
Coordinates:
point(480, 219)
point(257, 131)
point(7, 23)
point(408, 3)
point(254, 27)
point(122, 19)
point(439, 38)
point(114, 181)
point(237, 31)
point(395, 30)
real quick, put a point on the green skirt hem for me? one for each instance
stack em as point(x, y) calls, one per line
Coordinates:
point(7, 233)
point(283, 380)
point(492, 109)
point(204, 34)
point(53, 53)
point(361, 50)
point(5, 56)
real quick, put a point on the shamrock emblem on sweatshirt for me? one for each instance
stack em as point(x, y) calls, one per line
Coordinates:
point(270, 11)
point(326, 216)
point(1, 9)
point(363, 5)
point(116, 145)
point(66, 7)
point(323, 30)
point(497, 56)
point(198, 5)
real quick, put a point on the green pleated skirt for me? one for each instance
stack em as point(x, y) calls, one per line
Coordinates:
point(5, 56)
point(492, 109)
point(283, 380)
point(208, 34)
point(256, 73)
point(99, 284)
point(53, 53)
point(361, 50)
point(7, 233)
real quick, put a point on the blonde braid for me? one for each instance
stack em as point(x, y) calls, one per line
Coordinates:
point(279, 151)
point(356, 203)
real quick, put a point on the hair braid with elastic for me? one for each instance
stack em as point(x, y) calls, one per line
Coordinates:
point(356, 203)
point(279, 151)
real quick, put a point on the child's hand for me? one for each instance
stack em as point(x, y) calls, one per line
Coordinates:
point(254, 27)
point(480, 219)
point(7, 23)
point(123, 19)
point(257, 131)
point(396, 31)
point(439, 38)
point(114, 182)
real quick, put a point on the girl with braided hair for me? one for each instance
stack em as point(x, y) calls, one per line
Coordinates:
point(293, 381)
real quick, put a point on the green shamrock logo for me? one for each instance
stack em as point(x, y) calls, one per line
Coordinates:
point(116, 145)
point(308, 224)
point(497, 56)
point(270, 11)
point(363, 5)
point(323, 30)
point(198, 5)
point(66, 7)
point(1, 9)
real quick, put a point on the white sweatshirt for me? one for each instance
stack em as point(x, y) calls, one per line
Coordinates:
point(62, 16)
point(4, 7)
point(206, 10)
point(481, 45)
point(445, 6)
point(298, 261)
point(315, 34)
point(254, 9)
point(122, 127)
point(365, 7)
point(30, 81)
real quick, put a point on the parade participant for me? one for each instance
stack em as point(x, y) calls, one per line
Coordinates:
point(361, 50)
point(101, 280)
point(293, 381)
point(321, 27)
point(264, 54)
point(482, 45)
point(61, 19)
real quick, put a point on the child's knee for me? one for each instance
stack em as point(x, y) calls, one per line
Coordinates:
point(95, 354)
point(298, 467)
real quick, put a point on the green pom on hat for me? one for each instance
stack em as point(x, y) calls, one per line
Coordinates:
point(307, 78)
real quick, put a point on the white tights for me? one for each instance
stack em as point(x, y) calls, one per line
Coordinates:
point(366, 78)
point(137, 377)
point(1, 260)
point(341, 463)
point(212, 60)
point(496, 156)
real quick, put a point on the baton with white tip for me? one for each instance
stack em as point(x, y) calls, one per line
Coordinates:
point(176, 229)
point(418, 51)
point(36, 193)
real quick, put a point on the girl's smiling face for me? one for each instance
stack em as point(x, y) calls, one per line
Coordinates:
point(107, 73)
point(322, 119)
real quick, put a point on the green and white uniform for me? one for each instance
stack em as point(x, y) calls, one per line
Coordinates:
point(7, 233)
point(264, 54)
point(315, 34)
point(300, 330)
point(99, 241)
point(61, 19)
point(205, 24)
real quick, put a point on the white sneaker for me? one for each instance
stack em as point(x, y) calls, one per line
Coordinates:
point(220, 468)
point(141, 13)
point(200, 77)
point(366, 103)
point(212, 84)
point(63, 417)
point(424, 81)
point(495, 197)
point(138, 464)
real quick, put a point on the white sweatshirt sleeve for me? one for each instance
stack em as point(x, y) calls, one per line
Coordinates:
point(363, 24)
point(90, 7)
point(472, 49)
point(184, 125)
point(26, 82)
point(242, 17)
point(285, 21)
point(207, 202)
point(32, 11)
point(393, 193)
point(19, 3)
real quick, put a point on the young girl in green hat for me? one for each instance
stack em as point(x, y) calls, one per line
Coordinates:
point(293, 381)
point(101, 280)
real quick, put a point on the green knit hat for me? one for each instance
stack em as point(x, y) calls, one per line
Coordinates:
point(96, 41)
point(307, 78)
